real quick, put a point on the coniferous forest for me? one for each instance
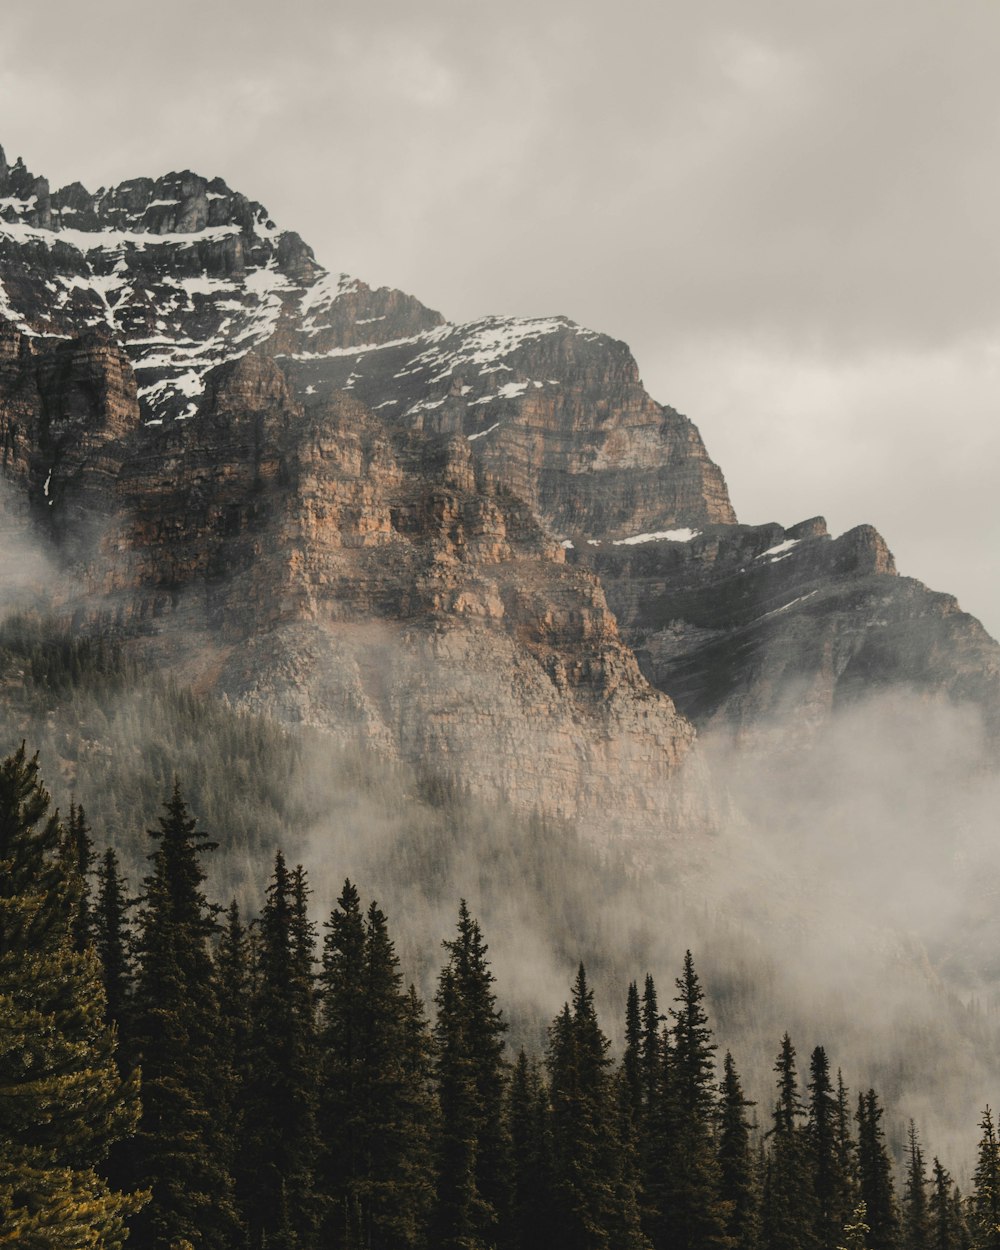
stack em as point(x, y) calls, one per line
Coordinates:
point(176, 1074)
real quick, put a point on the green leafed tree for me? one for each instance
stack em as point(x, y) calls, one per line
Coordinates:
point(62, 1100)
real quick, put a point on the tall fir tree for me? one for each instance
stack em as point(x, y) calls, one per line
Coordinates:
point(236, 992)
point(789, 1200)
point(831, 1184)
point(62, 1100)
point(632, 1057)
point(178, 1151)
point(113, 941)
point(946, 1222)
point(530, 1224)
point(984, 1202)
point(471, 1186)
point(692, 1213)
point(376, 1083)
point(282, 1145)
point(594, 1186)
point(76, 849)
point(915, 1217)
point(737, 1162)
point(875, 1175)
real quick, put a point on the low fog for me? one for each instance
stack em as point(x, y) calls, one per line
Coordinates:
point(847, 896)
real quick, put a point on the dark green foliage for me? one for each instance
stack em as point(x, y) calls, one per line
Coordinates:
point(62, 1101)
point(984, 1202)
point(77, 853)
point(947, 1225)
point(875, 1175)
point(113, 939)
point(282, 1144)
point(469, 1032)
point(632, 1058)
point(178, 1151)
point(531, 1224)
point(593, 1184)
point(691, 1214)
point(789, 1201)
point(916, 1233)
point(832, 1186)
point(377, 1105)
point(234, 975)
point(737, 1164)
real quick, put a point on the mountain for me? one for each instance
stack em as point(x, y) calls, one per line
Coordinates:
point(482, 548)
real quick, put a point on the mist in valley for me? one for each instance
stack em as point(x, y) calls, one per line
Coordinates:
point(847, 894)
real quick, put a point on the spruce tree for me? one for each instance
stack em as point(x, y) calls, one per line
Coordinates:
point(113, 942)
point(831, 1185)
point(62, 1100)
point(376, 1072)
point(178, 1151)
point(530, 1225)
point(594, 1192)
point(984, 1204)
point(875, 1175)
point(632, 1058)
point(76, 850)
point(282, 1146)
point(915, 1221)
point(235, 988)
point(737, 1166)
point(789, 1201)
point(471, 1182)
point(946, 1223)
point(693, 1215)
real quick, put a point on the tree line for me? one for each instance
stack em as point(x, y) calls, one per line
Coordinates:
point(181, 1077)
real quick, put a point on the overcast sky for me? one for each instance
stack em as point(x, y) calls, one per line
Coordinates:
point(788, 209)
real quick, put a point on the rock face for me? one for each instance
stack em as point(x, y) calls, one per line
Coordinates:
point(762, 632)
point(324, 501)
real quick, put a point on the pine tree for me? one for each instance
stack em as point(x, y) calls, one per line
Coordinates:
point(471, 1189)
point(737, 1170)
point(593, 1188)
point(875, 1175)
point(692, 1213)
point(945, 1220)
point(113, 941)
point(282, 1145)
point(76, 850)
point(915, 1223)
point(530, 1226)
point(179, 1152)
point(789, 1202)
point(984, 1204)
point(632, 1058)
point(856, 1230)
point(235, 988)
point(378, 1106)
point(62, 1101)
point(831, 1186)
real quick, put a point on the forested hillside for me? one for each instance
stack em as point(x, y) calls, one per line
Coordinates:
point(212, 1079)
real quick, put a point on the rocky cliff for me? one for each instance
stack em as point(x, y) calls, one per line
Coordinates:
point(325, 501)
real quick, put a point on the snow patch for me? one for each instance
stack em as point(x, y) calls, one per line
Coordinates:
point(482, 433)
point(780, 551)
point(673, 536)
